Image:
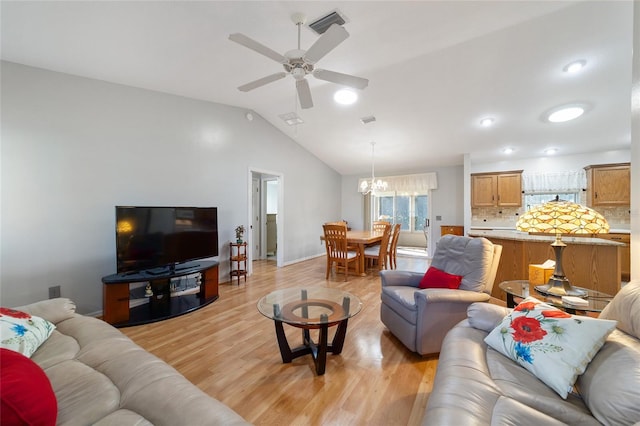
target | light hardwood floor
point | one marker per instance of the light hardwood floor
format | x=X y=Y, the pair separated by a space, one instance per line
x=229 y=350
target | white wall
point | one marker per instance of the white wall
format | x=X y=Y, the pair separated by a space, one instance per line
x=554 y=163
x=73 y=148
x=635 y=147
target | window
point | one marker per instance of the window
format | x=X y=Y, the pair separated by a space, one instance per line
x=410 y=211
x=532 y=200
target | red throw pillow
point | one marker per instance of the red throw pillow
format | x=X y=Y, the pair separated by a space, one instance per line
x=27 y=397
x=435 y=278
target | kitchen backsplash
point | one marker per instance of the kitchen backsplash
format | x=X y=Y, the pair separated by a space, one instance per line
x=506 y=217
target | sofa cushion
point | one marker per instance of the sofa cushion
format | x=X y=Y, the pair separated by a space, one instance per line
x=468 y=257
x=435 y=278
x=402 y=301
x=27 y=396
x=23 y=332
x=610 y=386
x=553 y=345
x=58 y=348
x=625 y=308
x=517 y=383
x=123 y=417
x=83 y=393
x=54 y=310
x=510 y=412
x=486 y=316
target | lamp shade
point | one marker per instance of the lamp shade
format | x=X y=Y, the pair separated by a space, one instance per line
x=563 y=217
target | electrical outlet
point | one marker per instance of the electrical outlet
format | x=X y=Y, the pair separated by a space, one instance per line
x=54 y=292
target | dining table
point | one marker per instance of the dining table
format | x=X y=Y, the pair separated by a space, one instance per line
x=362 y=239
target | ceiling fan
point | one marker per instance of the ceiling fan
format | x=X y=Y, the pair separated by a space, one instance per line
x=299 y=63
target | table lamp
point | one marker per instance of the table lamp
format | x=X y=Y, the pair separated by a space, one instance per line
x=562 y=217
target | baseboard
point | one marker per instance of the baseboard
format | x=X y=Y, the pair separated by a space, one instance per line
x=291 y=262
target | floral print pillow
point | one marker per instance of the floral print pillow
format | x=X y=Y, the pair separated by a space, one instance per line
x=552 y=344
x=22 y=332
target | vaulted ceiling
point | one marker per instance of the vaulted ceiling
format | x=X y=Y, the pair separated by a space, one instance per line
x=435 y=69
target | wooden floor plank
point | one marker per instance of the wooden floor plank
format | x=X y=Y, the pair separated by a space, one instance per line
x=229 y=350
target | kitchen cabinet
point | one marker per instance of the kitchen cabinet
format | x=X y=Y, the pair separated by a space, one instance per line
x=609 y=185
x=452 y=229
x=592 y=263
x=502 y=189
x=625 y=252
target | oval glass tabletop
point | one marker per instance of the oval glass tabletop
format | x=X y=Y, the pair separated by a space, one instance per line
x=595 y=301
x=309 y=306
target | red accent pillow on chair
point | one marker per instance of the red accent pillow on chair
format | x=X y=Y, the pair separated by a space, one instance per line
x=435 y=278
x=27 y=396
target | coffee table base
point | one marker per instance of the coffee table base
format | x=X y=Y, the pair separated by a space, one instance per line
x=317 y=350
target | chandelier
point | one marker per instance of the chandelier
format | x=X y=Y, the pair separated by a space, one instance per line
x=562 y=217
x=373 y=185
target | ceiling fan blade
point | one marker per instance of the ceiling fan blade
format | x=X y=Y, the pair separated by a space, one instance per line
x=344 y=79
x=257 y=47
x=262 y=81
x=304 y=94
x=326 y=43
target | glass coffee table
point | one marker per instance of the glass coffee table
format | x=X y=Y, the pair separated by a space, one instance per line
x=596 y=301
x=310 y=308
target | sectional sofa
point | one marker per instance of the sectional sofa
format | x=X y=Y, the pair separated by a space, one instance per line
x=101 y=377
x=476 y=384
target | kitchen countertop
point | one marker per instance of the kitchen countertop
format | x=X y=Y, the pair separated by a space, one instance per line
x=523 y=236
x=511 y=228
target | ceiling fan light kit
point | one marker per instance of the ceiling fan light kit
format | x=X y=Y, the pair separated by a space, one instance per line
x=345 y=97
x=299 y=63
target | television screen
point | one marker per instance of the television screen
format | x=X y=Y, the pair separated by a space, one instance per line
x=148 y=237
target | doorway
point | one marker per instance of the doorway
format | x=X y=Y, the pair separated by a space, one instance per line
x=266 y=212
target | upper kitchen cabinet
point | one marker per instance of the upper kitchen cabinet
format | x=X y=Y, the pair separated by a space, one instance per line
x=609 y=185
x=503 y=189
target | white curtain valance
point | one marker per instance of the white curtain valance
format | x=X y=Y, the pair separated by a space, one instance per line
x=408 y=183
x=548 y=182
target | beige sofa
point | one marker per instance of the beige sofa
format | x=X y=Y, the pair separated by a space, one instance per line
x=475 y=384
x=101 y=377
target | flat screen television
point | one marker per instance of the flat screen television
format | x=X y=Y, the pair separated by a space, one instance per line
x=151 y=237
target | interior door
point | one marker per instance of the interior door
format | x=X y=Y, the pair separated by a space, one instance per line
x=255 y=225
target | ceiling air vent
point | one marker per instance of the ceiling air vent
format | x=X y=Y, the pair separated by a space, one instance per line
x=291 y=118
x=369 y=119
x=323 y=23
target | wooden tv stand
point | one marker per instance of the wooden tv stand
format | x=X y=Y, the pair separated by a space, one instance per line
x=115 y=293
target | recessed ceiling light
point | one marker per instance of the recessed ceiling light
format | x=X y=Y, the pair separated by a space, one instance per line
x=551 y=151
x=345 y=97
x=507 y=150
x=487 y=122
x=565 y=113
x=574 y=66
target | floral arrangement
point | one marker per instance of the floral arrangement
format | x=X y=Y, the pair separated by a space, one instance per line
x=239 y=232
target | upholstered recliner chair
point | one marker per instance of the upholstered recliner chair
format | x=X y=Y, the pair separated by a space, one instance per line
x=420 y=318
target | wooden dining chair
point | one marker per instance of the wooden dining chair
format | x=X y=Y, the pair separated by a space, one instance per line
x=380 y=225
x=393 y=246
x=338 y=252
x=377 y=254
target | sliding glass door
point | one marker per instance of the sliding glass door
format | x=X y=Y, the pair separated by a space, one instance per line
x=410 y=211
